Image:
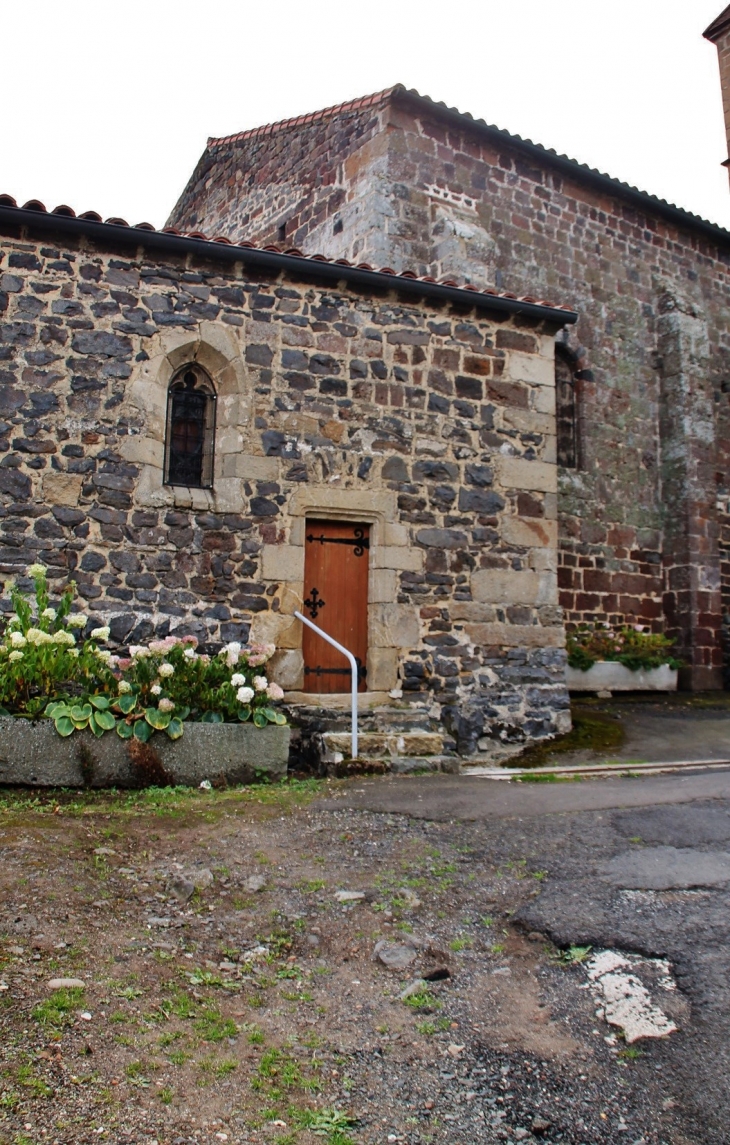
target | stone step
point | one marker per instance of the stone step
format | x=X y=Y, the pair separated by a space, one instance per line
x=390 y=744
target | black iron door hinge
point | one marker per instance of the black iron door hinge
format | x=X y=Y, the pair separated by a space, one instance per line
x=360 y=541
x=319 y=671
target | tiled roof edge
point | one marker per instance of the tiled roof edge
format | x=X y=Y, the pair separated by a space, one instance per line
x=64 y=220
x=718 y=25
x=572 y=167
x=378 y=99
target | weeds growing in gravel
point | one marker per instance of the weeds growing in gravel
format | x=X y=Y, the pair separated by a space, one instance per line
x=56 y=1010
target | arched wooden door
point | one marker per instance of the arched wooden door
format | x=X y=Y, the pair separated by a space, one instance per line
x=336 y=599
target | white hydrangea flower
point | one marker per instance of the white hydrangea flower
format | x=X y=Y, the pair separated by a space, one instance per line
x=232 y=652
x=238 y=680
x=18 y=640
x=103 y=655
x=260 y=683
x=63 y=638
x=35 y=636
x=244 y=695
x=124 y=687
x=190 y=654
x=138 y=651
x=156 y=690
x=100 y=633
x=14 y=656
x=49 y=614
x=166 y=669
x=36 y=570
x=275 y=692
x=166 y=705
x=76 y=620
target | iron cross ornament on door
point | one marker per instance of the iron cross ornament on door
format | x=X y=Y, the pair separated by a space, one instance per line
x=313 y=603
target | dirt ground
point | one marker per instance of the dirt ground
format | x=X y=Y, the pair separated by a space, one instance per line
x=228 y=995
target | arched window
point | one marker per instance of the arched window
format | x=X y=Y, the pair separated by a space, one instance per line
x=190 y=429
x=566 y=403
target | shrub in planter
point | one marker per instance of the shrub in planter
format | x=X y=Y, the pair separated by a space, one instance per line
x=46 y=669
x=632 y=646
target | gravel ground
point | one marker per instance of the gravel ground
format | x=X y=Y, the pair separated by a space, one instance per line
x=229 y=996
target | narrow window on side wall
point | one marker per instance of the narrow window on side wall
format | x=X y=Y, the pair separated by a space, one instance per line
x=190 y=432
x=566 y=403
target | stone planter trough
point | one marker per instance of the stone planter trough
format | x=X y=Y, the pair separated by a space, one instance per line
x=610 y=676
x=33 y=754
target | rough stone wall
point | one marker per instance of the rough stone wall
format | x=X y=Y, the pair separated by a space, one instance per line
x=453 y=202
x=436 y=427
x=287 y=186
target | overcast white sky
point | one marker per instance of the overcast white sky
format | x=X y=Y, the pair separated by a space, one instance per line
x=108 y=104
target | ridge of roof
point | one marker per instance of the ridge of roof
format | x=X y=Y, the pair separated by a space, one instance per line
x=362 y=103
x=718 y=25
x=570 y=166
x=34 y=212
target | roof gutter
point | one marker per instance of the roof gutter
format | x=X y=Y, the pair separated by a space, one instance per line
x=570 y=167
x=298 y=266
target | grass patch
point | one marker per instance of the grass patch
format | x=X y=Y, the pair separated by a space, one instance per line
x=428 y=1028
x=175 y=802
x=56 y=1010
x=213 y=1027
x=423 y=1000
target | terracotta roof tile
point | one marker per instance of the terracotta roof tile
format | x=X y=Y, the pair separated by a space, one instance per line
x=34 y=205
x=548 y=154
x=361 y=104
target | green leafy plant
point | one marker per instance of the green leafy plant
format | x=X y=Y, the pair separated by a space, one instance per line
x=631 y=646
x=574 y=955
x=46 y=671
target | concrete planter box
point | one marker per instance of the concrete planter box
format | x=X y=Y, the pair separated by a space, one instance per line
x=33 y=754
x=610 y=676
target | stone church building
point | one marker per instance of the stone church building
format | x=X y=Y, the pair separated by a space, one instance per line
x=436 y=386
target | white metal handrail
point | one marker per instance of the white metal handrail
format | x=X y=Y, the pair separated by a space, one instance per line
x=353 y=672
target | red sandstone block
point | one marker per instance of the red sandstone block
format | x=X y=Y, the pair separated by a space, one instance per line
x=584 y=601
x=597 y=581
x=481 y=366
x=621 y=535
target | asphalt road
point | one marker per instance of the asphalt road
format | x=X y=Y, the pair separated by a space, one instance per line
x=638 y=865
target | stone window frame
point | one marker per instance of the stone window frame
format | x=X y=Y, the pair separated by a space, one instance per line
x=219 y=353
x=390 y=552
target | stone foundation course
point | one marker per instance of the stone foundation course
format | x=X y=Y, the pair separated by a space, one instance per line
x=33 y=754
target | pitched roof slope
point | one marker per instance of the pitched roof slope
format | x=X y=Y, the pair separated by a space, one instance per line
x=572 y=167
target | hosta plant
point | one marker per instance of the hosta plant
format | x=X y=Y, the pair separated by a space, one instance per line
x=46 y=669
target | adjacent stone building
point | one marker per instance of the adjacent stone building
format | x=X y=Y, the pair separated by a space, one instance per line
x=642 y=379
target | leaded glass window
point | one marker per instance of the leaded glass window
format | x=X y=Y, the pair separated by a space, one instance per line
x=190 y=429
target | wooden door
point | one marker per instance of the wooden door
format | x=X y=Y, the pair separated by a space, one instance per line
x=336 y=599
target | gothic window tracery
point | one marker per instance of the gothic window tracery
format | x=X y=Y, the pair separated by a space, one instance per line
x=190 y=431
